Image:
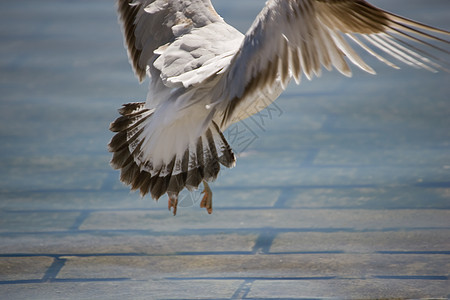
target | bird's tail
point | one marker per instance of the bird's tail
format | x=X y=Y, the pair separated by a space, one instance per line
x=199 y=161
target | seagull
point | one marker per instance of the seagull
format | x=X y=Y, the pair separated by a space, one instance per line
x=206 y=75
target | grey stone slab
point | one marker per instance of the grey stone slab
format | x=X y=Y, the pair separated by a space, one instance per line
x=75 y=200
x=426 y=241
x=295 y=173
x=353 y=219
x=123 y=289
x=52 y=171
x=384 y=197
x=127 y=243
x=397 y=155
x=36 y=221
x=23 y=268
x=370 y=288
x=264 y=266
x=152 y=267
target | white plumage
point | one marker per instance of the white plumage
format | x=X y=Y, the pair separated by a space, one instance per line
x=206 y=75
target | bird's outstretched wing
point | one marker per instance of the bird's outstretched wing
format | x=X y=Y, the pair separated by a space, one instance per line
x=151 y=24
x=206 y=75
x=291 y=37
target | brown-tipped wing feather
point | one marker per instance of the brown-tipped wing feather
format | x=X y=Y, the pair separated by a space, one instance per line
x=294 y=37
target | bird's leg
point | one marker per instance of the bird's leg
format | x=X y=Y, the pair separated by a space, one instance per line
x=173 y=202
x=207 y=198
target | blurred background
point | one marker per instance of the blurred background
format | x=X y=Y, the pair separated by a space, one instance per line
x=64 y=72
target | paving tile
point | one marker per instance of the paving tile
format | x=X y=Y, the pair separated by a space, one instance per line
x=400 y=156
x=369 y=197
x=370 y=288
x=297 y=174
x=36 y=221
x=153 y=267
x=426 y=241
x=263 y=266
x=123 y=289
x=48 y=179
x=354 y=219
x=16 y=269
x=73 y=199
x=104 y=243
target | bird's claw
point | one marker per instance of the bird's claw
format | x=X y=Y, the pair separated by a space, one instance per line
x=207 y=198
x=173 y=202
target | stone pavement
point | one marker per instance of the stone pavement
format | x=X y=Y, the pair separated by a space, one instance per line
x=341 y=189
x=107 y=245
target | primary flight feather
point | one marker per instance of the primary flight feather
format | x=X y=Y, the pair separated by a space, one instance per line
x=205 y=75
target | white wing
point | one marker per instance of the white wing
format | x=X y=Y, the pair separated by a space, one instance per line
x=170 y=38
x=291 y=37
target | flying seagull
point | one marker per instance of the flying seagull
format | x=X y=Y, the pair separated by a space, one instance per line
x=205 y=75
